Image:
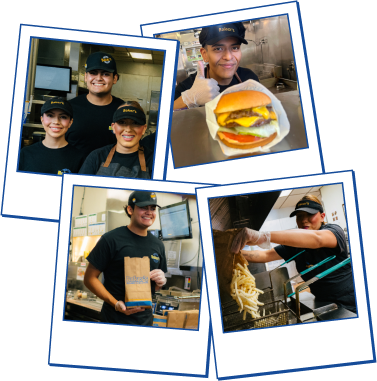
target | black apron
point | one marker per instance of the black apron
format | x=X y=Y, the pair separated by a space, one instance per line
x=115 y=169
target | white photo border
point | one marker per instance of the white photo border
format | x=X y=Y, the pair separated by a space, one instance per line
x=311 y=156
x=14 y=180
x=323 y=344
x=128 y=352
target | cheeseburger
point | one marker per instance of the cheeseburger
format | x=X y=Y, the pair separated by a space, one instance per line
x=246 y=119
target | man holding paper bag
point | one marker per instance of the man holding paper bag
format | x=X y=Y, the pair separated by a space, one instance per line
x=108 y=256
x=221 y=49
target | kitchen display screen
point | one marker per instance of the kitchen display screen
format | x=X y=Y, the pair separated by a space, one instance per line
x=53 y=78
x=175 y=221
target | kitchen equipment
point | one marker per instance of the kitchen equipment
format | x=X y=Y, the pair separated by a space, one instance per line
x=269 y=294
x=303 y=273
x=276 y=312
x=314 y=279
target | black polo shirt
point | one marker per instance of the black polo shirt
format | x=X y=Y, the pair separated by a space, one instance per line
x=336 y=287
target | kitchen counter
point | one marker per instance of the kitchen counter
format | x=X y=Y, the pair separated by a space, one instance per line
x=82 y=309
x=192 y=143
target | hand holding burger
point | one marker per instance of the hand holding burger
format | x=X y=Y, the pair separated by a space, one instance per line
x=246 y=119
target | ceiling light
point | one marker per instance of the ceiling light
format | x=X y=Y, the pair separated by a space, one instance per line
x=141 y=56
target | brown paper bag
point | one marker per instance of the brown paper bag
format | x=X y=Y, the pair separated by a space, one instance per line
x=226 y=260
x=138 y=284
x=183 y=319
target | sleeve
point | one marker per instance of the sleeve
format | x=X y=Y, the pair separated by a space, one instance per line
x=163 y=265
x=178 y=91
x=90 y=165
x=340 y=237
x=184 y=85
x=286 y=252
x=100 y=256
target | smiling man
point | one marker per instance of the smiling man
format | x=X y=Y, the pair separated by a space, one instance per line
x=126 y=158
x=94 y=111
x=221 y=49
x=107 y=257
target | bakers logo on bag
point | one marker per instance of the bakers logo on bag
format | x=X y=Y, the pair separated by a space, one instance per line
x=106 y=59
x=136 y=279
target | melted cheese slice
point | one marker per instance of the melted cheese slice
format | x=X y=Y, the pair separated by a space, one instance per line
x=245 y=121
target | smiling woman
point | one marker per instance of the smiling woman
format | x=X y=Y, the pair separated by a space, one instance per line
x=126 y=158
x=53 y=155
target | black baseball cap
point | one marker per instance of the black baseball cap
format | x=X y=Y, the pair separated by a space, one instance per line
x=130 y=112
x=101 y=61
x=59 y=103
x=142 y=198
x=307 y=206
x=211 y=34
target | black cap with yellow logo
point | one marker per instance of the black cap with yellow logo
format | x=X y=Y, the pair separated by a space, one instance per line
x=101 y=61
x=142 y=198
x=59 y=103
x=212 y=34
x=130 y=112
x=307 y=206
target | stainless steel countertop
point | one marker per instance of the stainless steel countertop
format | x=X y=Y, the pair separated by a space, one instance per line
x=192 y=143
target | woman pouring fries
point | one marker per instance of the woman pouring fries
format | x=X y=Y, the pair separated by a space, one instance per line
x=319 y=240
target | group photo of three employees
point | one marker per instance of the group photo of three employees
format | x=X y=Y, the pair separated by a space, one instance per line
x=100 y=134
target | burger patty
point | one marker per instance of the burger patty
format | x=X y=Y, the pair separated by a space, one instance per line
x=241 y=114
x=258 y=123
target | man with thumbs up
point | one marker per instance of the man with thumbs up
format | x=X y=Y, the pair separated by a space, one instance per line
x=221 y=49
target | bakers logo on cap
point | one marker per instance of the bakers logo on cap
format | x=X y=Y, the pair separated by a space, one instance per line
x=127 y=110
x=60 y=103
x=134 y=199
x=106 y=59
x=153 y=195
x=226 y=30
x=303 y=203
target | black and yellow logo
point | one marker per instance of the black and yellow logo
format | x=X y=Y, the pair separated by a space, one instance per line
x=106 y=59
x=60 y=103
x=153 y=195
x=302 y=204
x=128 y=110
x=226 y=30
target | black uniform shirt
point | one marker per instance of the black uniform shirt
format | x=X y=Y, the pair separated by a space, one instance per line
x=337 y=284
x=39 y=158
x=108 y=257
x=243 y=73
x=91 y=124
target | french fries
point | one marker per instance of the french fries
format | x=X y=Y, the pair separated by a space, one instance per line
x=244 y=292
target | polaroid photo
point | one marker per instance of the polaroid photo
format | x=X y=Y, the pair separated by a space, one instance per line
x=272 y=283
x=256 y=50
x=91 y=216
x=71 y=90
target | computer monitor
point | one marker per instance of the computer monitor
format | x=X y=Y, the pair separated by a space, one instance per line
x=56 y=79
x=175 y=221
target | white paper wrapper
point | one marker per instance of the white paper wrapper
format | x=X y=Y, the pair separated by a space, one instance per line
x=276 y=104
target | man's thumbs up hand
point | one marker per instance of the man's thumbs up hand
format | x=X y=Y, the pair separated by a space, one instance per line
x=202 y=91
